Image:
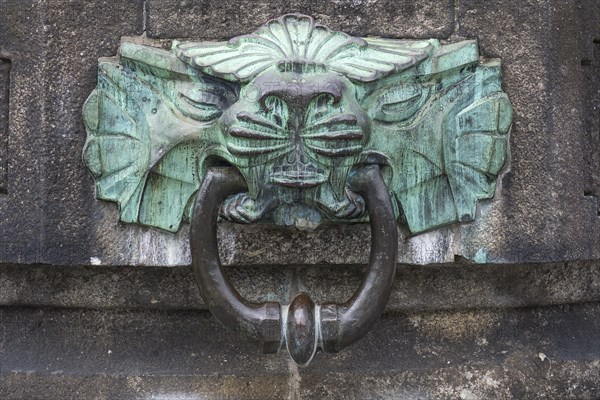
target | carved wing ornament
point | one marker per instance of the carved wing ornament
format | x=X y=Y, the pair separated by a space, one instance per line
x=300 y=112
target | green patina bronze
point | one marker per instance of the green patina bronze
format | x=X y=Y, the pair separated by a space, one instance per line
x=296 y=108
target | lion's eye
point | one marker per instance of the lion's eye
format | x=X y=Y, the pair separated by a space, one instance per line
x=201 y=108
x=331 y=131
x=399 y=103
x=202 y=102
x=320 y=106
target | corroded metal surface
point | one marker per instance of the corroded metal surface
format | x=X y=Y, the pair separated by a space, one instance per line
x=295 y=106
x=302 y=326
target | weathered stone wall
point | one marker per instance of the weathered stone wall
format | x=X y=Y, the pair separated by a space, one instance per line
x=545 y=207
x=504 y=307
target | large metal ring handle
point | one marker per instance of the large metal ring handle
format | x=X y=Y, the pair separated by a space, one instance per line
x=303 y=326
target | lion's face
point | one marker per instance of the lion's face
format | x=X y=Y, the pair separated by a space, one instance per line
x=295 y=106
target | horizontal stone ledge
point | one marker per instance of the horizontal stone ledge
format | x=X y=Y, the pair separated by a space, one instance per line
x=417 y=288
x=545 y=352
x=265 y=244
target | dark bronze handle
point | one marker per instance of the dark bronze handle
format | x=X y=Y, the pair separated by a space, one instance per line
x=303 y=326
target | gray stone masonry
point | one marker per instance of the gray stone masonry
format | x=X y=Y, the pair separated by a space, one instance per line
x=506 y=307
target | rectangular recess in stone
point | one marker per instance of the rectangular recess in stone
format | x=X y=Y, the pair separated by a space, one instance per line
x=4 y=92
x=223 y=19
x=591 y=68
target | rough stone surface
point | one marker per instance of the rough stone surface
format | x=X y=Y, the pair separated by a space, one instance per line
x=54 y=49
x=22 y=41
x=71 y=330
x=544 y=210
x=5 y=65
x=528 y=353
x=541 y=212
x=417 y=288
x=591 y=68
x=225 y=19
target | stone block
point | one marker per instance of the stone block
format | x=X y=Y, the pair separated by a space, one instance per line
x=210 y=20
x=475 y=310
x=53 y=47
x=524 y=353
x=541 y=211
x=416 y=288
x=5 y=65
x=544 y=209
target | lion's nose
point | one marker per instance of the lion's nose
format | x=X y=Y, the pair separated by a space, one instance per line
x=299 y=93
x=295 y=125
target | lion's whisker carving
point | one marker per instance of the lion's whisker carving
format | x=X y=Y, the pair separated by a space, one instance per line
x=255 y=151
x=334 y=120
x=258 y=120
x=243 y=132
x=334 y=135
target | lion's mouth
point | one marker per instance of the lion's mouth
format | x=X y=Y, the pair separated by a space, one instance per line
x=298 y=175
